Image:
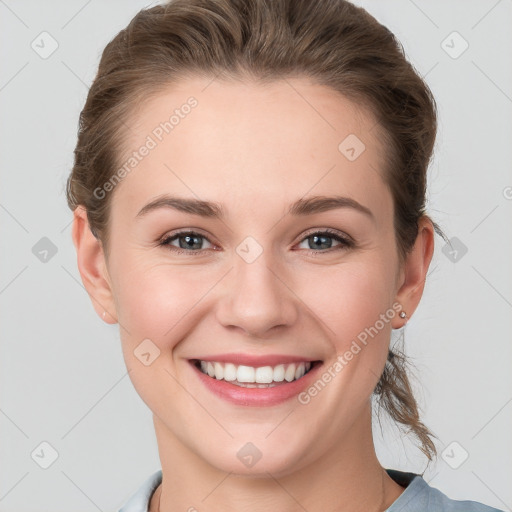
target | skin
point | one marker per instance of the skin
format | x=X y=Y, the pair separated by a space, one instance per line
x=256 y=149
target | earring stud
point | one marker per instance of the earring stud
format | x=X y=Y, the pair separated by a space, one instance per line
x=402 y=314
x=104 y=313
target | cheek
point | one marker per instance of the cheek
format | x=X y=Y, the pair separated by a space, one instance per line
x=351 y=298
x=356 y=305
x=158 y=303
x=155 y=299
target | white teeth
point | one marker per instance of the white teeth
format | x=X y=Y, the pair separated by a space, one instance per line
x=264 y=375
x=219 y=370
x=289 y=374
x=245 y=374
x=229 y=371
x=260 y=377
x=279 y=373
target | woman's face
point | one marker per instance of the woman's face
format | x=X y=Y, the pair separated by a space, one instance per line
x=262 y=285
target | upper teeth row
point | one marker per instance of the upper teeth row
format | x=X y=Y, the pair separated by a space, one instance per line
x=261 y=375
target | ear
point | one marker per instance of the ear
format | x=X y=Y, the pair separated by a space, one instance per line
x=414 y=271
x=92 y=267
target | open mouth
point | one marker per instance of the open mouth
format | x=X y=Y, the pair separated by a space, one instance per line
x=255 y=377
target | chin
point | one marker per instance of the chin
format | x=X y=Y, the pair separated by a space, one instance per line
x=257 y=457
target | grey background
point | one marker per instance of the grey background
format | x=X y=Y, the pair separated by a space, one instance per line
x=63 y=379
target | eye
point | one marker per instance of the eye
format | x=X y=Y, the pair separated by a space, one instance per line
x=189 y=241
x=321 y=239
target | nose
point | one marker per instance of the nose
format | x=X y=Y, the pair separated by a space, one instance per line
x=257 y=298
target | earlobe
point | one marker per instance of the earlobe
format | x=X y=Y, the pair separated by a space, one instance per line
x=415 y=270
x=92 y=267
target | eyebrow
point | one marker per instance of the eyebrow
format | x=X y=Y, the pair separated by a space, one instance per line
x=209 y=209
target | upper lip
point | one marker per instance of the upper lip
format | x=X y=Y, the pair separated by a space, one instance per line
x=256 y=360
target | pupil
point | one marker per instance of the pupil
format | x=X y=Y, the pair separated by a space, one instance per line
x=317 y=237
x=189 y=241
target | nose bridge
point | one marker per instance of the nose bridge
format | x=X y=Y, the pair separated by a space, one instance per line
x=256 y=298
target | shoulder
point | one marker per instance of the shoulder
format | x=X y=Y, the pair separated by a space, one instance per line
x=139 y=501
x=419 y=496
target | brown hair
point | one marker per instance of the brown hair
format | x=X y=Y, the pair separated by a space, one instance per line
x=332 y=42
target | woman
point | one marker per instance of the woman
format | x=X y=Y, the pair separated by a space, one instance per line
x=249 y=205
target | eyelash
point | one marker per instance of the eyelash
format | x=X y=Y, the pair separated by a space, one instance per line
x=345 y=243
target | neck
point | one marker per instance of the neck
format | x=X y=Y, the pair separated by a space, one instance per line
x=346 y=478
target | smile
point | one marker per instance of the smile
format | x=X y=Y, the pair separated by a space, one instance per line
x=261 y=381
x=251 y=377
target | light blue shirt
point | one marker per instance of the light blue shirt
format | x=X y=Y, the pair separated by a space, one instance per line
x=418 y=496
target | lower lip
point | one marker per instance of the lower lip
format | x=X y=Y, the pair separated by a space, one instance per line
x=262 y=397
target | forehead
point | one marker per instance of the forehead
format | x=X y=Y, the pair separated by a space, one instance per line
x=247 y=143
